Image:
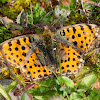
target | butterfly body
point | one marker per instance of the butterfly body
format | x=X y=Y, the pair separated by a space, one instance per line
x=37 y=55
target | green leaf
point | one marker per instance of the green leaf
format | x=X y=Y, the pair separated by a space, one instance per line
x=44 y=89
x=11 y=86
x=90 y=7
x=1 y=31
x=68 y=82
x=46 y=85
x=48 y=18
x=75 y=96
x=65 y=91
x=97 y=97
x=24 y=96
x=39 y=97
x=94 y=94
x=97 y=1
x=38 y=12
x=48 y=14
x=4 y=93
x=88 y=81
x=46 y=94
x=72 y=4
x=4 y=1
x=81 y=90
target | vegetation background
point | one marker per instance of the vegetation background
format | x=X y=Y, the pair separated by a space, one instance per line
x=18 y=17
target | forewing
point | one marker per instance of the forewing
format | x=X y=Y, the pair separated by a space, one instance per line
x=17 y=49
x=81 y=35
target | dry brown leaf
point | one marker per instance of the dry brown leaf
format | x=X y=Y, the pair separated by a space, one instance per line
x=5 y=20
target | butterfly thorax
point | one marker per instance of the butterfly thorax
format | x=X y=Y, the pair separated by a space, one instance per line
x=49 y=45
x=48 y=41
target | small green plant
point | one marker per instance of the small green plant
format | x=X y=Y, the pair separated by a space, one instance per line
x=5 y=33
x=79 y=89
x=4 y=1
x=36 y=14
x=4 y=91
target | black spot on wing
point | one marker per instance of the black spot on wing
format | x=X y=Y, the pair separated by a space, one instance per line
x=17 y=56
x=30 y=39
x=39 y=71
x=75 y=43
x=73 y=53
x=30 y=66
x=9 y=43
x=62 y=67
x=74 y=30
x=44 y=70
x=67 y=65
x=79 y=35
x=81 y=46
x=63 y=33
x=35 y=65
x=73 y=36
x=24 y=39
x=25 y=66
x=33 y=72
x=81 y=41
x=81 y=27
x=28 y=61
x=40 y=76
x=12 y=54
x=10 y=49
x=23 y=47
x=91 y=31
x=89 y=27
x=68 y=59
x=28 y=73
x=9 y=58
x=20 y=60
x=16 y=49
x=45 y=75
x=24 y=54
x=33 y=38
x=18 y=42
x=68 y=71
x=67 y=29
x=85 y=38
x=61 y=61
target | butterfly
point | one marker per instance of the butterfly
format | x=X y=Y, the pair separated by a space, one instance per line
x=39 y=56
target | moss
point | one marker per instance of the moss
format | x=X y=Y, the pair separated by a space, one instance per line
x=10 y=12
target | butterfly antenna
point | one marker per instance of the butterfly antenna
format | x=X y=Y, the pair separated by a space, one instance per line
x=34 y=25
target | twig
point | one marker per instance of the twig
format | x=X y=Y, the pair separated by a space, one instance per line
x=33 y=24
